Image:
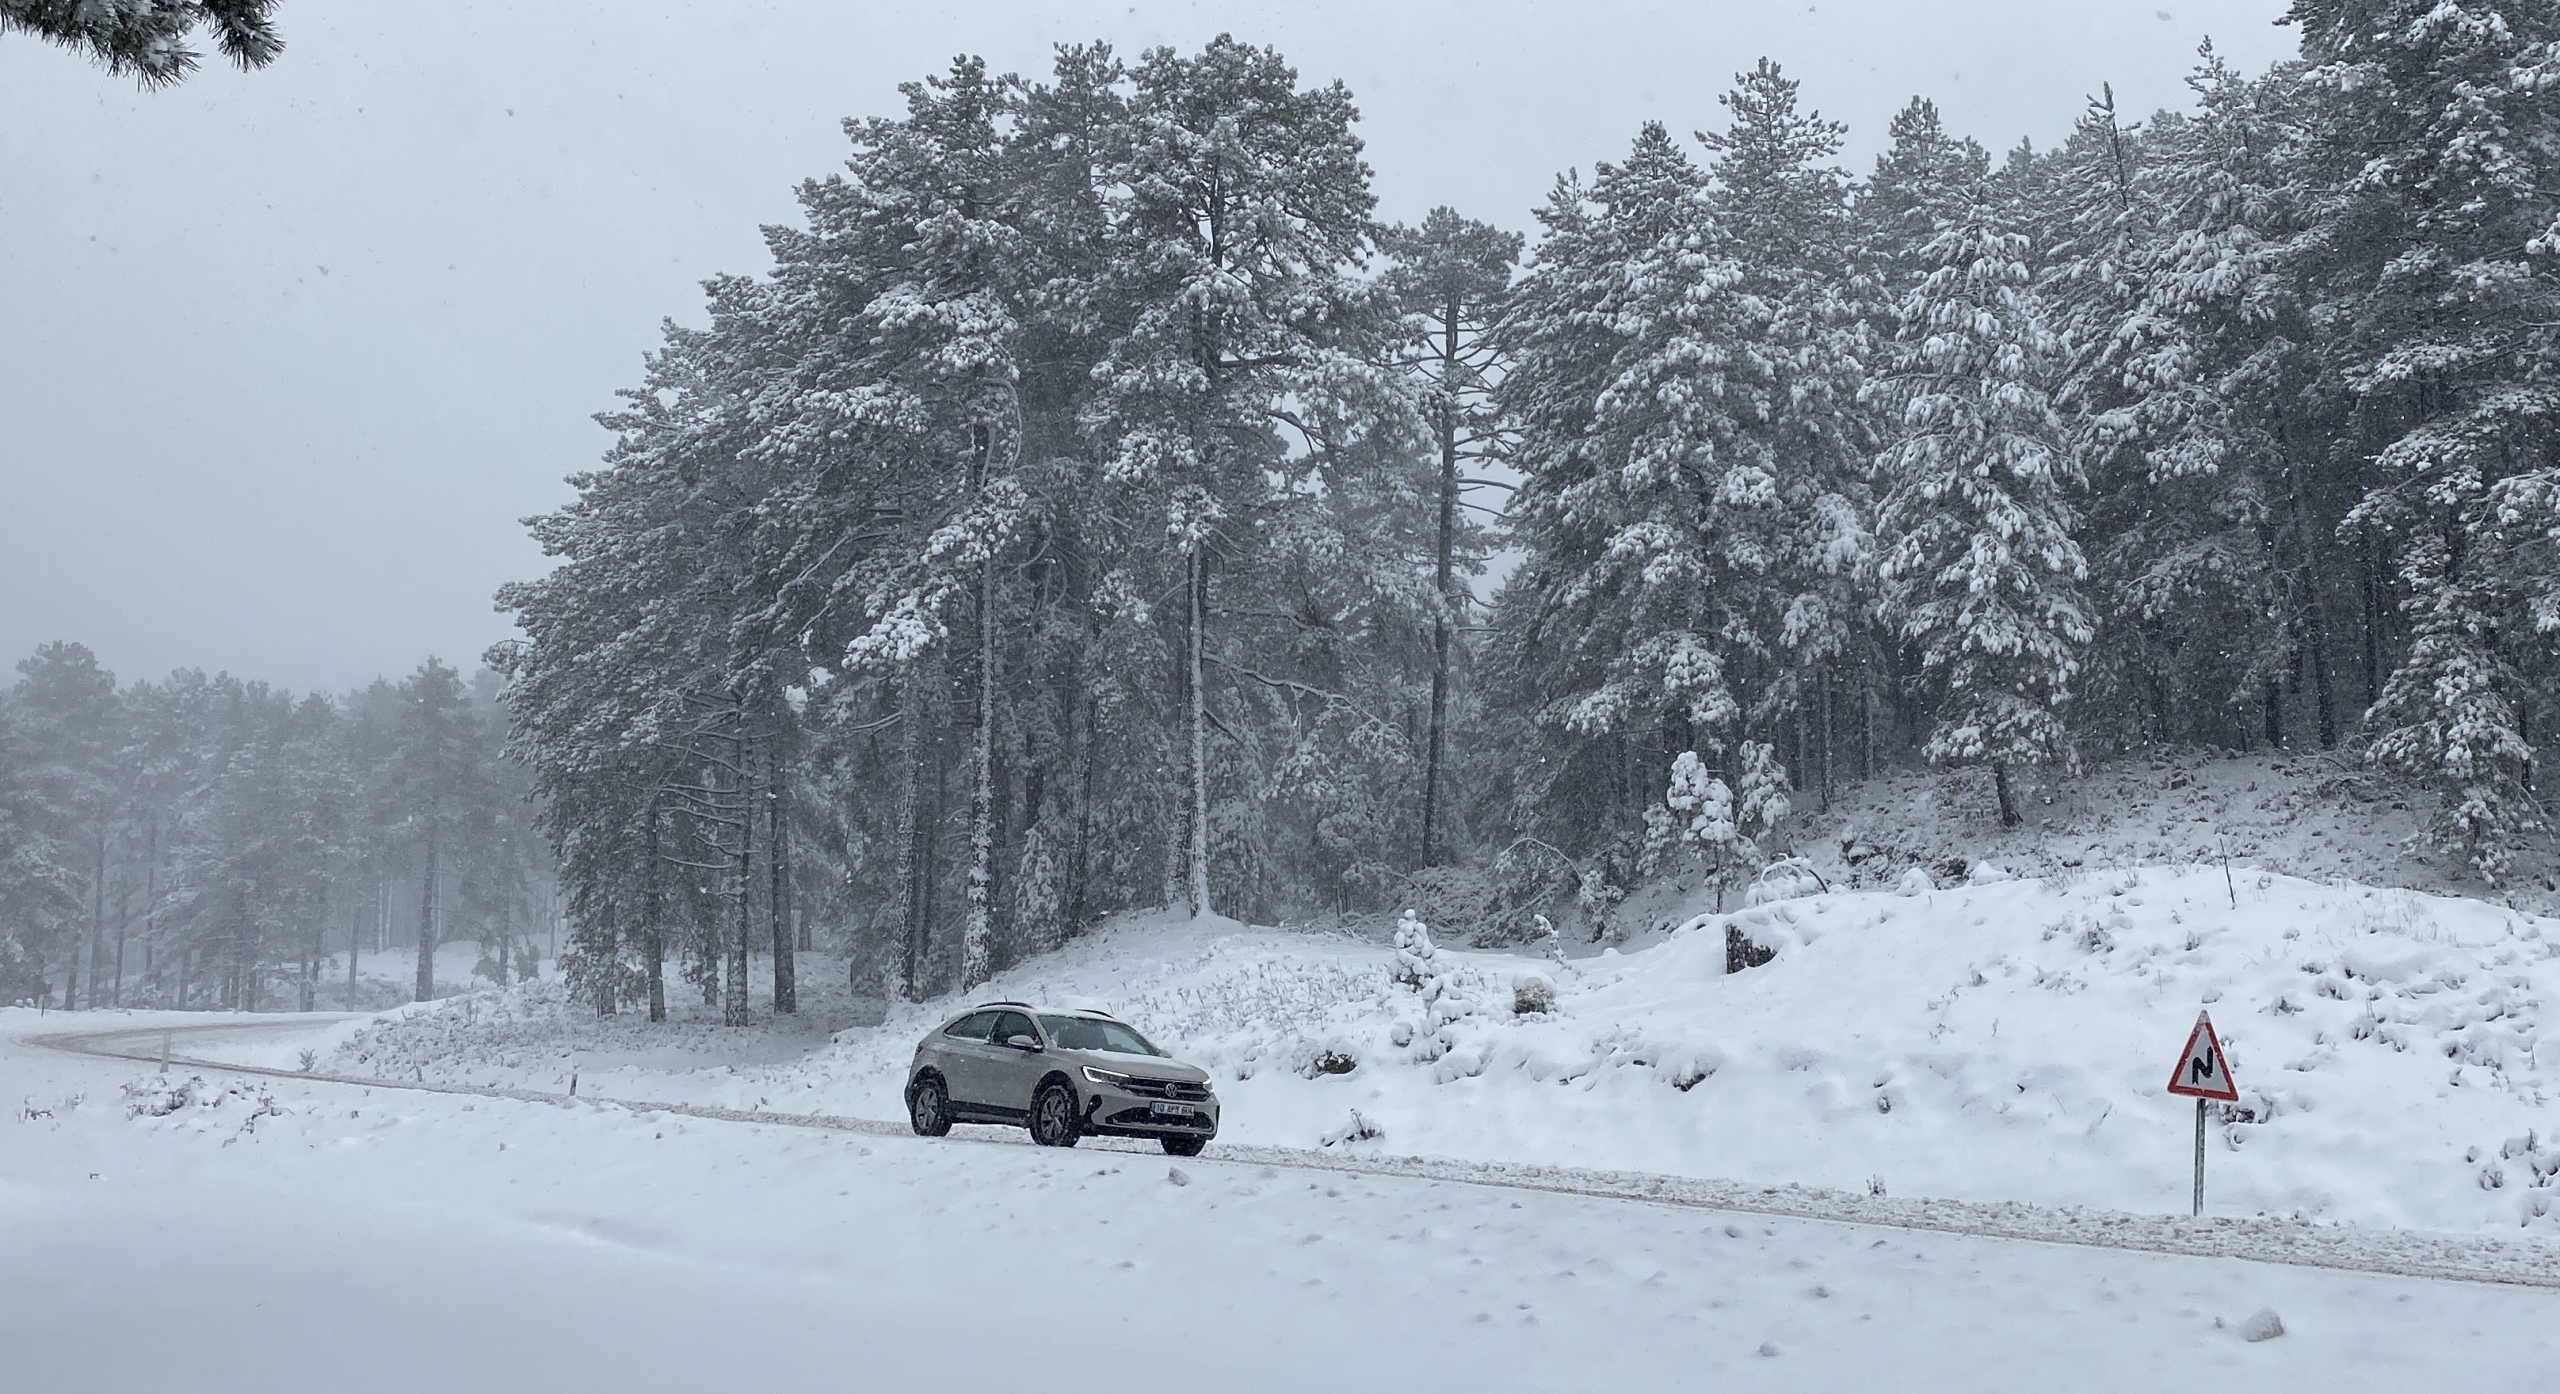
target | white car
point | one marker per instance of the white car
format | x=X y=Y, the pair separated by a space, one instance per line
x=1062 y=1074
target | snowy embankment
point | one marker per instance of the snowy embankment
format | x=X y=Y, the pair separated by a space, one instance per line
x=2314 y=814
x=1996 y=1042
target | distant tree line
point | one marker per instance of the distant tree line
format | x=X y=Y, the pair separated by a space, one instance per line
x=213 y=843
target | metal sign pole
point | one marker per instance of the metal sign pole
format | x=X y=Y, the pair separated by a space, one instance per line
x=2199 y=1210
x=2204 y=1075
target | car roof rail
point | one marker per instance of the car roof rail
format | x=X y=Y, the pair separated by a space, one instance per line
x=1008 y=1002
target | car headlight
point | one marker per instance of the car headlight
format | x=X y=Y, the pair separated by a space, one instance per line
x=1105 y=1077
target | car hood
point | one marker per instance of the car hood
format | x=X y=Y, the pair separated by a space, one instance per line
x=1145 y=1066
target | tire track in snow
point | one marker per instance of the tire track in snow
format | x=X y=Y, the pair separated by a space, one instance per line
x=2296 y=1243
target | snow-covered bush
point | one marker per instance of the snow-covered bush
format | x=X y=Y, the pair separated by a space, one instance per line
x=1331 y=1055
x=1442 y=999
x=156 y=1097
x=1705 y=819
x=1414 y=953
x=1359 y=1129
x=1784 y=879
x=1532 y=995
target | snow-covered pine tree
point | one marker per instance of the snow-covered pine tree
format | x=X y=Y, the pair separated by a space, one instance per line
x=1922 y=177
x=1415 y=965
x=148 y=38
x=1449 y=280
x=1784 y=211
x=2436 y=143
x=1980 y=572
x=1642 y=618
x=39 y=879
x=893 y=420
x=2222 y=538
x=1241 y=205
x=69 y=717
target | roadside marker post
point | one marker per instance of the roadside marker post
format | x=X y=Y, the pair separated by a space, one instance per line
x=2203 y=1073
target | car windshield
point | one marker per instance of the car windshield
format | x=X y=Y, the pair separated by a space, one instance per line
x=1086 y=1033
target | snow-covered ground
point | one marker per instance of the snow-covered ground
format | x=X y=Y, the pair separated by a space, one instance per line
x=2320 y=815
x=1997 y=1042
x=288 y=1235
x=1989 y=1049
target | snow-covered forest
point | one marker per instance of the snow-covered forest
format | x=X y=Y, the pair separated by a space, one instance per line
x=208 y=842
x=1097 y=506
x=1174 y=728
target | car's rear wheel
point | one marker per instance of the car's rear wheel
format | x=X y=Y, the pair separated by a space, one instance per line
x=1053 y=1116
x=1185 y=1146
x=929 y=1107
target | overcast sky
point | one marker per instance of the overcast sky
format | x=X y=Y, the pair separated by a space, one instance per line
x=285 y=356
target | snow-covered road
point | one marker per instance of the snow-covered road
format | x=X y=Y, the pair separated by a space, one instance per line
x=2466 y=1258
x=403 y=1239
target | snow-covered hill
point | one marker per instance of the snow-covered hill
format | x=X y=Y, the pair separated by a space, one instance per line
x=2001 y=1041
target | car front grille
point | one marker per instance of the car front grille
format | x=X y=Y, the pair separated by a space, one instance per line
x=1168 y=1089
x=1142 y=1118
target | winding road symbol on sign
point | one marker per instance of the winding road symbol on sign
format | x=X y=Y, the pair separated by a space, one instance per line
x=2203 y=1071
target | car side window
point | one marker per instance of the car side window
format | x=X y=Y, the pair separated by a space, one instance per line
x=1012 y=1024
x=973 y=1027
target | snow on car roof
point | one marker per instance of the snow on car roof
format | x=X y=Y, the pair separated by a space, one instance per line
x=1095 y=1012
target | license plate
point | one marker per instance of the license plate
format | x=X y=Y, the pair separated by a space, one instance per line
x=1172 y=1110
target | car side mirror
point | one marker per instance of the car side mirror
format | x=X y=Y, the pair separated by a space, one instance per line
x=1023 y=1043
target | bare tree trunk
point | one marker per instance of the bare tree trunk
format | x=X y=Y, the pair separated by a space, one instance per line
x=777 y=846
x=1443 y=572
x=2372 y=578
x=426 y=984
x=910 y=839
x=355 y=929
x=124 y=923
x=1826 y=738
x=1080 y=860
x=151 y=910
x=734 y=1010
x=311 y=953
x=608 y=989
x=2315 y=611
x=1866 y=724
x=97 y=930
x=653 y=946
x=977 y=938
x=1199 y=851
x=2000 y=784
x=1177 y=840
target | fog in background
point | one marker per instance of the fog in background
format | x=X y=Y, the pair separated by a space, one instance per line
x=285 y=356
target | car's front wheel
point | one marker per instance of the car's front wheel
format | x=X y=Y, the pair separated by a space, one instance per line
x=1185 y=1146
x=1053 y=1116
x=929 y=1107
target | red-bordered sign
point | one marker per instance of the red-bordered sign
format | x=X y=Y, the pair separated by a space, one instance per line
x=2203 y=1071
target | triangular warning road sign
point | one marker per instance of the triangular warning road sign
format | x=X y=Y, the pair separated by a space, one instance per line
x=2203 y=1070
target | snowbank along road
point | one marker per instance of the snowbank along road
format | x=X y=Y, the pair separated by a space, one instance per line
x=219 y=1232
x=2455 y=1258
